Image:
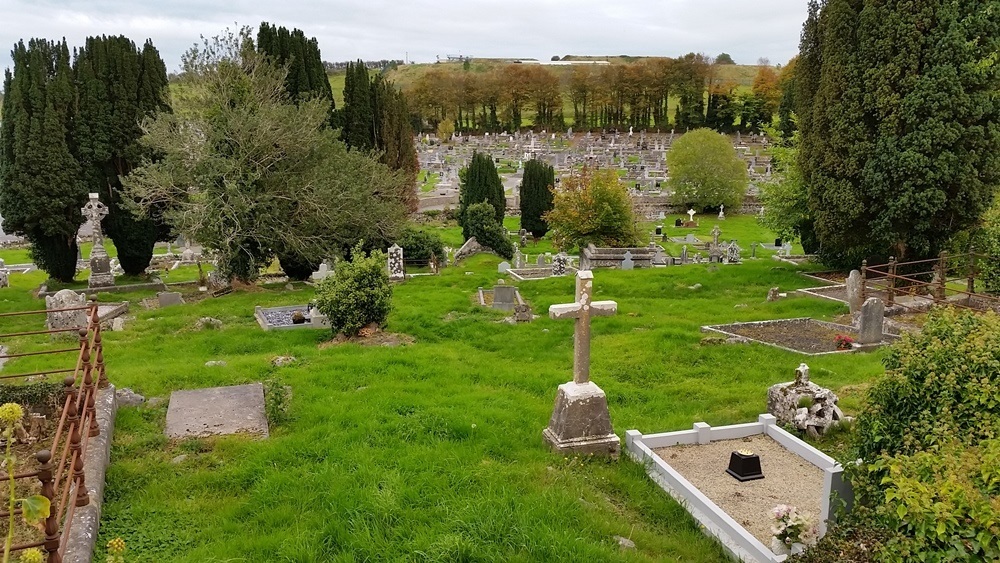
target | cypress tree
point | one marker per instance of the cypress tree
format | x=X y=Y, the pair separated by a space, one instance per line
x=394 y=136
x=40 y=189
x=119 y=86
x=301 y=56
x=536 y=196
x=357 y=120
x=480 y=182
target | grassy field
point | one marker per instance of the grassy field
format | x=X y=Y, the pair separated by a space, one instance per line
x=433 y=452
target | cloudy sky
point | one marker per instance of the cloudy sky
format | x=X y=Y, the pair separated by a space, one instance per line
x=424 y=29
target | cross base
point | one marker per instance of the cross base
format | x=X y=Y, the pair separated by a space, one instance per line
x=581 y=423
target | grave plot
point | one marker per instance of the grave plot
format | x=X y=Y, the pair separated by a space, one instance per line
x=217 y=411
x=804 y=335
x=289 y=317
x=691 y=466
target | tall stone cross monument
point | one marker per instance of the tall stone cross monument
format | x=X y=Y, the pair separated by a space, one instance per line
x=581 y=423
x=100 y=263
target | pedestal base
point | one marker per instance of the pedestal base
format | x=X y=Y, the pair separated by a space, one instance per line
x=581 y=423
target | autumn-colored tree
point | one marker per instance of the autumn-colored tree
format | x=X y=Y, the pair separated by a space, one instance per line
x=592 y=206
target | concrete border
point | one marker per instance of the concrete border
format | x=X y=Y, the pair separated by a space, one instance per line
x=715 y=522
x=82 y=538
x=258 y=314
x=850 y=330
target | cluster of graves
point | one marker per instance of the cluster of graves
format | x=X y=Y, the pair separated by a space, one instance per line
x=641 y=156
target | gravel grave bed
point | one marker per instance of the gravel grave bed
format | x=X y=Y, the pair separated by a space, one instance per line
x=788 y=479
x=803 y=335
x=280 y=318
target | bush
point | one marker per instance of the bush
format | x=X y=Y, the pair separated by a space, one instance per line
x=592 y=207
x=420 y=246
x=705 y=171
x=296 y=267
x=480 y=221
x=480 y=182
x=357 y=294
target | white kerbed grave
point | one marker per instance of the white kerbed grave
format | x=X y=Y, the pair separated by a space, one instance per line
x=716 y=522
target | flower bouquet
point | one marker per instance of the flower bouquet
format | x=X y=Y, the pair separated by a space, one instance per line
x=792 y=531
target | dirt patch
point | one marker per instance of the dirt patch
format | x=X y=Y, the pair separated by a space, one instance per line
x=803 y=335
x=788 y=479
x=387 y=339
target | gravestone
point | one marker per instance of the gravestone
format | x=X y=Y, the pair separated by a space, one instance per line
x=4 y=278
x=168 y=298
x=870 y=323
x=65 y=299
x=504 y=297
x=581 y=422
x=853 y=285
x=659 y=230
x=684 y=254
x=691 y=239
x=733 y=251
x=522 y=314
x=679 y=222
x=503 y=267
x=804 y=404
x=722 y=213
x=215 y=411
x=541 y=260
x=627 y=263
x=100 y=263
x=559 y=264
x=519 y=259
x=397 y=271
x=322 y=273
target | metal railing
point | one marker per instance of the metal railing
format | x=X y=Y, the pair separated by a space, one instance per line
x=947 y=279
x=60 y=467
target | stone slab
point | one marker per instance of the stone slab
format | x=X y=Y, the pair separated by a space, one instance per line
x=581 y=423
x=217 y=411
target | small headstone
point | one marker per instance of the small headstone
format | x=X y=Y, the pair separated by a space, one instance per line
x=128 y=398
x=522 y=314
x=853 y=286
x=118 y=324
x=541 y=260
x=397 y=271
x=321 y=273
x=503 y=267
x=690 y=239
x=504 y=297
x=659 y=230
x=684 y=254
x=559 y=264
x=627 y=263
x=870 y=324
x=168 y=298
x=65 y=299
x=722 y=213
x=4 y=278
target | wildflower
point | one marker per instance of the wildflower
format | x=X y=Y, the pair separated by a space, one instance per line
x=116 y=546
x=11 y=413
x=33 y=555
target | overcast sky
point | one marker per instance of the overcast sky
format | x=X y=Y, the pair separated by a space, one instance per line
x=424 y=29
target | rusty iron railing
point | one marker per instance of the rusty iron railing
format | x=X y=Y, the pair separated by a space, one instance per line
x=948 y=279
x=60 y=467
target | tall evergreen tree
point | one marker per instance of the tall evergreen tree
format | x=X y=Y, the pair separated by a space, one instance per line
x=480 y=182
x=40 y=189
x=119 y=86
x=301 y=56
x=357 y=117
x=536 y=196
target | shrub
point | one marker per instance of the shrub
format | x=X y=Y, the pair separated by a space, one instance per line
x=480 y=221
x=480 y=182
x=419 y=246
x=705 y=171
x=536 y=196
x=592 y=207
x=357 y=294
x=296 y=267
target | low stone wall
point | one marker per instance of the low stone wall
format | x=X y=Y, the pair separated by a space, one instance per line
x=435 y=201
x=593 y=257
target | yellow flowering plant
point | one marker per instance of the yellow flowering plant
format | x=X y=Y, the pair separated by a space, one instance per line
x=34 y=509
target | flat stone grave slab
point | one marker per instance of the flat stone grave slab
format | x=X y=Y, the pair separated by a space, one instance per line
x=280 y=318
x=217 y=411
x=804 y=335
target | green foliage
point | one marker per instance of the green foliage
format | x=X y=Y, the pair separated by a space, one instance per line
x=985 y=240
x=705 y=171
x=40 y=189
x=942 y=504
x=38 y=394
x=480 y=182
x=592 y=207
x=306 y=76
x=251 y=175
x=537 y=195
x=277 y=399
x=786 y=200
x=724 y=59
x=420 y=246
x=357 y=294
x=296 y=267
x=119 y=86
x=900 y=130
x=481 y=223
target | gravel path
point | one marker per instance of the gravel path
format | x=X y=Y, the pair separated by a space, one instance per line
x=788 y=479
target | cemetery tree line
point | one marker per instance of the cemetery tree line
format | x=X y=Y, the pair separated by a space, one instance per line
x=70 y=129
x=637 y=94
x=900 y=132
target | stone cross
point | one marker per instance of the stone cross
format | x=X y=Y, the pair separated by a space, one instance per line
x=94 y=211
x=690 y=213
x=582 y=310
x=715 y=234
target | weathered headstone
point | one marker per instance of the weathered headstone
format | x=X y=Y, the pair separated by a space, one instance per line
x=168 y=298
x=581 y=422
x=541 y=260
x=803 y=404
x=322 y=272
x=559 y=262
x=503 y=267
x=522 y=313
x=870 y=323
x=733 y=253
x=65 y=299
x=722 y=213
x=4 y=278
x=397 y=271
x=216 y=411
x=100 y=263
x=684 y=254
x=504 y=297
x=773 y=294
x=627 y=263
x=853 y=286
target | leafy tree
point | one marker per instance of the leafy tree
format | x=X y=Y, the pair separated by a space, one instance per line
x=900 y=147
x=482 y=224
x=724 y=59
x=786 y=202
x=251 y=175
x=420 y=246
x=722 y=109
x=705 y=171
x=40 y=189
x=592 y=206
x=537 y=187
x=119 y=86
x=445 y=129
x=357 y=294
x=480 y=182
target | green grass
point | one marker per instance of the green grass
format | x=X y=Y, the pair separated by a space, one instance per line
x=428 y=180
x=433 y=452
